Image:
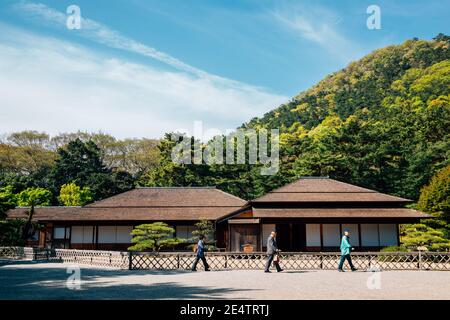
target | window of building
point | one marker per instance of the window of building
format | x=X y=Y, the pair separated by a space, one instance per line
x=123 y=234
x=245 y=235
x=185 y=232
x=388 y=235
x=61 y=236
x=354 y=233
x=35 y=235
x=114 y=234
x=331 y=235
x=107 y=234
x=313 y=235
x=369 y=235
x=82 y=234
x=61 y=233
x=266 y=230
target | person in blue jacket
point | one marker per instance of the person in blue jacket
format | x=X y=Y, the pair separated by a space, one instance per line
x=200 y=254
x=346 y=247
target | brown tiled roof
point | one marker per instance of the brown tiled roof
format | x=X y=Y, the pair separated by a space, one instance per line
x=145 y=204
x=171 y=197
x=122 y=214
x=42 y=213
x=330 y=197
x=338 y=213
x=319 y=189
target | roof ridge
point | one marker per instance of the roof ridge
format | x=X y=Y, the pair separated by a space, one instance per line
x=318 y=178
x=109 y=207
x=297 y=179
x=369 y=191
x=179 y=187
x=36 y=207
x=313 y=177
x=229 y=194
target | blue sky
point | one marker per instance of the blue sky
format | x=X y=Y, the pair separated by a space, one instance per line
x=141 y=68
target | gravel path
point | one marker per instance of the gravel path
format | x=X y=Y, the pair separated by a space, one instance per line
x=28 y=280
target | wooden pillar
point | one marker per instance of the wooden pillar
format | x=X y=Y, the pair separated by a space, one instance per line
x=42 y=234
x=260 y=236
x=95 y=236
x=49 y=235
x=291 y=238
x=229 y=236
x=321 y=237
x=359 y=235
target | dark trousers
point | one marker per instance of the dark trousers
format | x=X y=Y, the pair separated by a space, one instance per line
x=269 y=262
x=197 y=259
x=349 y=259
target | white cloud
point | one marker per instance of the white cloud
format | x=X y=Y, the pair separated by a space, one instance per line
x=318 y=25
x=104 y=35
x=55 y=86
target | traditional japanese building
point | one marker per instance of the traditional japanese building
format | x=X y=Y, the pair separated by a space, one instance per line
x=106 y=224
x=309 y=214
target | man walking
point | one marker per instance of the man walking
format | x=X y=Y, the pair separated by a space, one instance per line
x=272 y=249
x=200 y=254
x=346 y=247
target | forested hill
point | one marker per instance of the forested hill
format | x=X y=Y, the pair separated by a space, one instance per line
x=382 y=122
x=363 y=84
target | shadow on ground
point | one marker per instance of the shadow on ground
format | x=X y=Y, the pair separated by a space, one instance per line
x=23 y=282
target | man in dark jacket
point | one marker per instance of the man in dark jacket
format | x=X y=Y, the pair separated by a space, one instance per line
x=272 y=249
x=200 y=254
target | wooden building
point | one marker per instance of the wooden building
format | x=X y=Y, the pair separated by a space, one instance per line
x=309 y=214
x=106 y=224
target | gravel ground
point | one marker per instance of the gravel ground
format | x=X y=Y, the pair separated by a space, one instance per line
x=30 y=280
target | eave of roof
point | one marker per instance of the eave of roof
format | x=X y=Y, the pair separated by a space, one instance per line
x=123 y=214
x=339 y=213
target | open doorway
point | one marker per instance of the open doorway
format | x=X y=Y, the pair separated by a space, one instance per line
x=244 y=236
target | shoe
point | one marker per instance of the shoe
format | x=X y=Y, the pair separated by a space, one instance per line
x=340 y=270
x=207 y=270
x=193 y=270
x=354 y=269
x=267 y=271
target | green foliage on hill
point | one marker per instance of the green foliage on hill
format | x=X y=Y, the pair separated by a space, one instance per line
x=382 y=122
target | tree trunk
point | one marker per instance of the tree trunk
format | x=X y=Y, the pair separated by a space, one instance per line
x=27 y=226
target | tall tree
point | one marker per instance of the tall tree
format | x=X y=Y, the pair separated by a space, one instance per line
x=31 y=198
x=435 y=198
x=80 y=163
x=73 y=195
x=8 y=200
